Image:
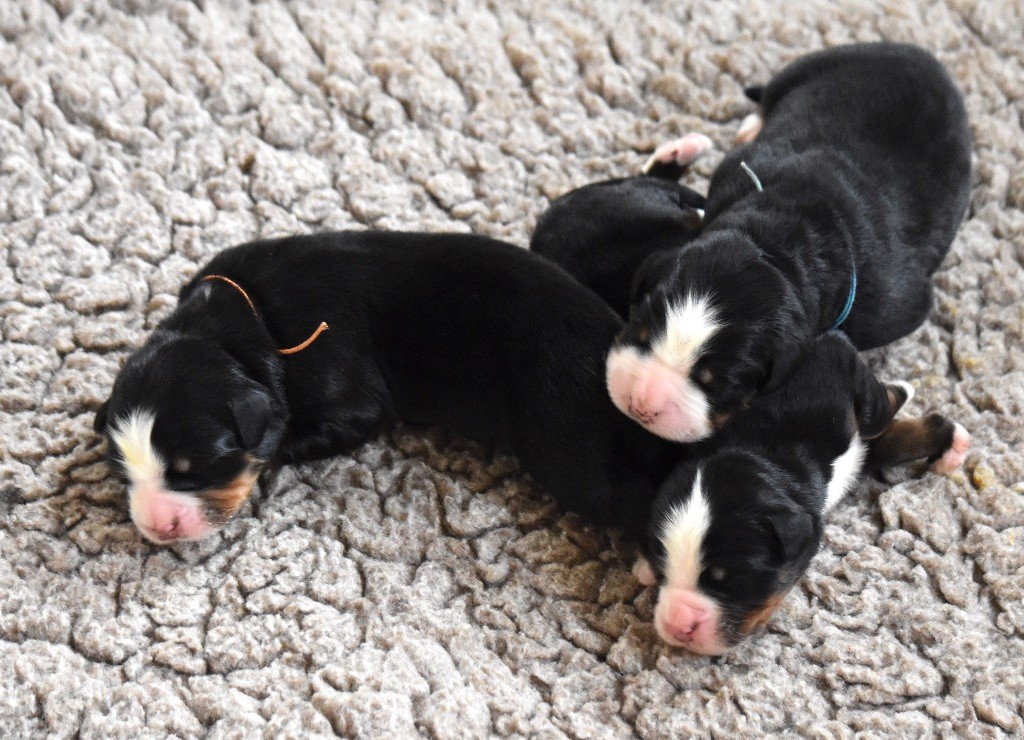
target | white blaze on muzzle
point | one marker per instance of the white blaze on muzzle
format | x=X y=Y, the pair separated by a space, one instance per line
x=655 y=388
x=161 y=515
x=684 y=616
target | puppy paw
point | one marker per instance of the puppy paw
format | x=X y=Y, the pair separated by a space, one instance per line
x=908 y=389
x=643 y=572
x=750 y=127
x=680 y=152
x=954 y=457
x=900 y=392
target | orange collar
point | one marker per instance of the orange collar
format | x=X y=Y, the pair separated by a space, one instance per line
x=289 y=350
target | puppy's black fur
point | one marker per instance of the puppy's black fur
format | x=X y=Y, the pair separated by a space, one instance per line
x=487 y=340
x=454 y=330
x=766 y=474
x=605 y=230
x=864 y=157
x=865 y=153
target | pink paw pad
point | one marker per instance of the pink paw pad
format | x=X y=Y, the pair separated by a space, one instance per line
x=750 y=127
x=954 y=457
x=682 y=151
x=643 y=572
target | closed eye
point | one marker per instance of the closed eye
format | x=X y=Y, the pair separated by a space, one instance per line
x=177 y=483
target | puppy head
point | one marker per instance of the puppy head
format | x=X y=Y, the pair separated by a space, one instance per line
x=711 y=325
x=190 y=431
x=727 y=543
x=602 y=232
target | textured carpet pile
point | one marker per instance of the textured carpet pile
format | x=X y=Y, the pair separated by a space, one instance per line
x=422 y=585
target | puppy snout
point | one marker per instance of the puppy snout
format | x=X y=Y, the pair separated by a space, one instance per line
x=688 y=619
x=651 y=395
x=657 y=396
x=166 y=518
x=684 y=620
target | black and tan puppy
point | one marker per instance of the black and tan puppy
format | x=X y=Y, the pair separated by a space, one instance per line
x=736 y=523
x=735 y=527
x=835 y=215
x=454 y=330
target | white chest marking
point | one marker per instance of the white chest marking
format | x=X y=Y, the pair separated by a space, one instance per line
x=845 y=471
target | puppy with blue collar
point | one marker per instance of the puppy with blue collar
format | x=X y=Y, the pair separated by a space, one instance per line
x=738 y=520
x=834 y=213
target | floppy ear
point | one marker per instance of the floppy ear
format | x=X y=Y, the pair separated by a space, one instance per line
x=794 y=530
x=259 y=427
x=99 y=423
x=648 y=274
x=787 y=358
x=874 y=403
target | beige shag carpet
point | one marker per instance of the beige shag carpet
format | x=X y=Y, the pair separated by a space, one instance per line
x=421 y=586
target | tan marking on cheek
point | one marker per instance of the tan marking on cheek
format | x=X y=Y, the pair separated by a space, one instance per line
x=719 y=419
x=229 y=499
x=643 y=334
x=760 y=616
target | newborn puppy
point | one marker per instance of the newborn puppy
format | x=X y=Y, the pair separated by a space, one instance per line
x=733 y=529
x=835 y=214
x=737 y=522
x=455 y=330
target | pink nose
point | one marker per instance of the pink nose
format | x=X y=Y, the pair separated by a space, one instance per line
x=652 y=393
x=689 y=619
x=657 y=396
x=167 y=518
x=642 y=412
x=683 y=620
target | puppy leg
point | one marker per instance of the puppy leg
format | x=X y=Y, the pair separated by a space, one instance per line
x=750 y=127
x=671 y=158
x=955 y=454
x=643 y=572
x=934 y=438
x=315 y=439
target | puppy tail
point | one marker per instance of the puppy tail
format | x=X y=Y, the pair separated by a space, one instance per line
x=754 y=93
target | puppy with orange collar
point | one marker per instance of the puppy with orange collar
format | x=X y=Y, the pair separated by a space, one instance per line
x=301 y=348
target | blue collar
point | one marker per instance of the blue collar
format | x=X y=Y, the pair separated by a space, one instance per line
x=853 y=264
x=849 y=299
